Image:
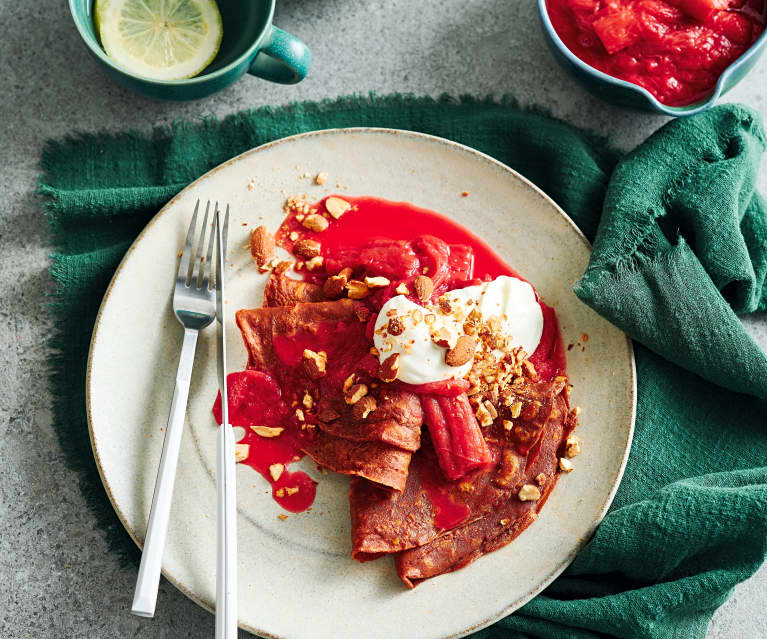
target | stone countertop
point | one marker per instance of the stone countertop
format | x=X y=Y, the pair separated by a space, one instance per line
x=58 y=579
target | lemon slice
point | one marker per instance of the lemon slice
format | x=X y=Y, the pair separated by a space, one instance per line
x=160 y=39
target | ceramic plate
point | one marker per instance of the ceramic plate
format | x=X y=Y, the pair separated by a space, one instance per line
x=296 y=577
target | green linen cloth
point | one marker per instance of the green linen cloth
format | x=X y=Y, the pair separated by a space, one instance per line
x=681 y=245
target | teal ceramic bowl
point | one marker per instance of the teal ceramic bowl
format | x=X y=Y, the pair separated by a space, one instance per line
x=250 y=44
x=628 y=94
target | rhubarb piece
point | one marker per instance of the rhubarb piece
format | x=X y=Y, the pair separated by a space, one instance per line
x=456 y=435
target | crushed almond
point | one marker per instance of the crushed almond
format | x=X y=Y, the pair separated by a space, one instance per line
x=507 y=425
x=267 y=431
x=565 y=465
x=282 y=517
x=275 y=471
x=491 y=409
x=389 y=368
x=540 y=479
x=357 y=290
x=417 y=316
x=321 y=178
x=516 y=409
x=572 y=446
x=336 y=206
x=334 y=286
x=314 y=263
x=262 y=245
x=307 y=401
x=348 y=382
x=293 y=236
x=356 y=393
x=424 y=287
x=241 y=452
x=443 y=337
x=528 y=492
x=315 y=222
x=364 y=407
x=483 y=415
x=377 y=282
x=300 y=415
x=395 y=326
x=529 y=369
x=315 y=364
x=400 y=290
x=462 y=352
x=504 y=521
x=306 y=248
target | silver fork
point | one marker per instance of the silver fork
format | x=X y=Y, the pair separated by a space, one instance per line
x=194 y=304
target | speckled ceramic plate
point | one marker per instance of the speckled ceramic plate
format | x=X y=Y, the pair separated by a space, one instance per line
x=296 y=577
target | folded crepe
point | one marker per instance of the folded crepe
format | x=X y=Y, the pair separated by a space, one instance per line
x=378 y=447
x=435 y=526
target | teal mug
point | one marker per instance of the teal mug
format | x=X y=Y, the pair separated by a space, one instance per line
x=250 y=44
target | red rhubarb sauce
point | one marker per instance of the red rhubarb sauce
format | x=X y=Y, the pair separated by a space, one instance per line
x=376 y=238
x=676 y=49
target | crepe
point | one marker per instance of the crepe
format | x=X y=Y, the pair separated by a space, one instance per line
x=378 y=447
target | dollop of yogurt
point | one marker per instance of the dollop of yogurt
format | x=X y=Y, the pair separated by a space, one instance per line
x=509 y=299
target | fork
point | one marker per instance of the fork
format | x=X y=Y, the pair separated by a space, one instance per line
x=194 y=304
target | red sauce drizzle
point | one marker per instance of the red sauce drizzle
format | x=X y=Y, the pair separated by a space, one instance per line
x=365 y=233
x=676 y=49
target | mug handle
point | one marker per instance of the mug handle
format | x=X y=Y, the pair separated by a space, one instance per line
x=283 y=58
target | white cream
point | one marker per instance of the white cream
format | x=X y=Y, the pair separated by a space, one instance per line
x=509 y=299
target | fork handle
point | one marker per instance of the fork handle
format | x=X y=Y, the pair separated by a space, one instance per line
x=145 y=595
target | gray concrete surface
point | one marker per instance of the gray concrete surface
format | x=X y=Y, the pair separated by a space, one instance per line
x=56 y=577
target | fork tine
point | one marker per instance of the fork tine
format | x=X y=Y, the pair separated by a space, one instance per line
x=183 y=267
x=207 y=267
x=198 y=264
x=226 y=229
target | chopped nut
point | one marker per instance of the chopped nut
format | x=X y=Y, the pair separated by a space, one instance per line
x=327 y=415
x=336 y=206
x=528 y=492
x=389 y=368
x=483 y=415
x=507 y=425
x=572 y=446
x=565 y=465
x=417 y=316
x=395 y=326
x=315 y=222
x=516 y=409
x=356 y=393
x=491 y=409
x=293 y=236
x=462 y=352
x=306 y=248
x=261 y=245
x=282 y=517
x=443 y=337
x=334 y=286
x=314 y=263
x=363 y=407
x=307 y=401
x=275 y=470
x=348 y=382
x=300 y=415
x=400 y=290
x=357 y=290
x=267 y=431
x=529 y=369
x=445 y=306
x=241 y=452
x=321 y=178
x=283 y=266
x=424 y=287
x=290 y=490
x=315 y=364
x=377 y=282
x=504 y=521
x=540 y=479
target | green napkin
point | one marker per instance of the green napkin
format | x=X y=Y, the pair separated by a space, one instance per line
x=681 y=244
